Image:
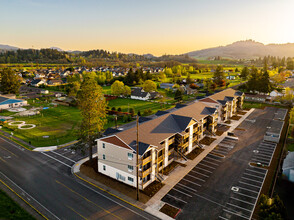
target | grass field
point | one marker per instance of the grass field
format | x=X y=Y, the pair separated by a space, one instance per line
x=11 y=210
x=138 y=105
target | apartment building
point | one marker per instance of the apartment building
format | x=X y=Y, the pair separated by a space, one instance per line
x=161 y=141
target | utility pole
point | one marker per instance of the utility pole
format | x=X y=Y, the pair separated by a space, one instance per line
x=137 y=157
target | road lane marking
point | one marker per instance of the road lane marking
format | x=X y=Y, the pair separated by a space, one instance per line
x=56 y=159
x=176 y=198
x=77 y=212
x=223 y=218
x=63 y=156
x=3 y=160
x=87 y=199
x=111 y=195
x=28 y=196
x=196 y=178
x=9 y=151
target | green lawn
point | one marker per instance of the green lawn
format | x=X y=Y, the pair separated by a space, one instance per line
x=290 y=147
x=249 y=105
x=11 y=210
x=138 y=105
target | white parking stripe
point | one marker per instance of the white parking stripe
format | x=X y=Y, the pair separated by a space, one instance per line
x=251 y=180
x=266 y=148
x=56 y=159
x=249 y=184
x=191 y=182
x=221 y=157
x=239 y=207
x=251 y=197
x=260 y=159
x=210 y=158
x=181 y=192
x=255 y=171
x=209 y=162
x=220 y=152
x=198 y=173
x=253 y=175
x=206 y=166
x=242 y=201
x=223 y=218
x=182 y=185
x=176 y=198
x=196 y=178
x=202 y=169
x=249 y=190
x=234 y=213
x=264 y=155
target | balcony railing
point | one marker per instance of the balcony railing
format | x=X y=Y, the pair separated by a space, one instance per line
x=146 y=160
x=160 y=158
x=145 y=172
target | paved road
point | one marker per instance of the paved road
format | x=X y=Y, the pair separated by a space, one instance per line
x=46 y=182
x=206 y=192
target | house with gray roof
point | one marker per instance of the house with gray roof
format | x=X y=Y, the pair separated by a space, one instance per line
x=7 y=103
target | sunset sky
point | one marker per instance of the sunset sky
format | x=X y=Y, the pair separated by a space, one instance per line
x=139 y=26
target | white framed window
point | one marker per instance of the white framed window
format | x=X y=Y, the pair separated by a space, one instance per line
x=130 y=156
x=104 y=167
x=130 y=179
x=120 y=177
x=130 y=168
x=103 y=145
x=103 y=156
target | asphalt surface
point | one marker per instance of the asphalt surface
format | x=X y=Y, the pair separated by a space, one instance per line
x=223 y=185
x=46 y=182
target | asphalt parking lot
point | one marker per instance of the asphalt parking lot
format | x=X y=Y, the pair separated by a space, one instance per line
x=224 y=185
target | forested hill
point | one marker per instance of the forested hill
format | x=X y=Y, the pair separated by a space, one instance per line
x=248 y=49
x=62 y=57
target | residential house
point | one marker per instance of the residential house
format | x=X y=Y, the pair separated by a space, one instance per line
x=140 y=94
x=54 y=82
x=6 y=103
x=38 y=82
x=257 y=97
x=166 y=85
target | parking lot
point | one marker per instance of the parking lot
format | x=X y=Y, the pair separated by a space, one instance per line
x=225 y=185
x=264 y=153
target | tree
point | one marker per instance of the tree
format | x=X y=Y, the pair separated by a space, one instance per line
x=265 y=84
x=92 y=104
x=149 y=86
x=9 y=81
x=253 y=82
x=237 y=70
x=218 y=75
x=117 y=88
x=188 y=79
x=178 y=95
x=74 y=88
x=244 y=73
x=127 y=90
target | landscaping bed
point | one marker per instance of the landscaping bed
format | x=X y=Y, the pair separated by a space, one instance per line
x=236 y=118
x=90 y=169
x=207 y=140
x=171 y=167
x=169 y=210
x=193 y=154
x=228 y=122
x=241 y=112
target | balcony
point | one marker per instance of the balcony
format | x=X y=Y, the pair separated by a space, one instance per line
x=160 y=158
x=171 y=141
x=170 y=151
x=145 y=172
x=146 y=160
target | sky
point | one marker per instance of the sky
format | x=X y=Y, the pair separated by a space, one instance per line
x=144 y=26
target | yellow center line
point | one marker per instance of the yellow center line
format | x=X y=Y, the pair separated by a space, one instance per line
x=88 y=200
x=76 y=212
x=2 y=160
x=8 y=151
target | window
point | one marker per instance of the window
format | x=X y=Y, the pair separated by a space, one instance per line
x=130 y=168
x=104 y=167
x=120 y=177
x=103 y=145
x=130 y=179
x=130 y=156
x=103 y=156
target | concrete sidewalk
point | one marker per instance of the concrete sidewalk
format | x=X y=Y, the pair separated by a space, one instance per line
x=155 y=202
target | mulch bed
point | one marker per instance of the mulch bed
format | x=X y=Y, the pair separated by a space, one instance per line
x=169 y=210
x=236 y=118
x=207 y=140
x=167 y=170
x=194 y=153
x=241 y=113
x=240 y=129
x=228 y=122
x=90 y=169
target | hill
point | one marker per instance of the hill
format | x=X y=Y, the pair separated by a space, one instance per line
x=7 y=47
x=246 y=50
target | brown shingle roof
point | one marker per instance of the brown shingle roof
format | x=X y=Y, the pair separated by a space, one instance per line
x=221 y=95
x=208 y=100
x=116 y=141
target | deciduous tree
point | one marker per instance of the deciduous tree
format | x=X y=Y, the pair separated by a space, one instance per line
x=149 y=86
x=10 y=81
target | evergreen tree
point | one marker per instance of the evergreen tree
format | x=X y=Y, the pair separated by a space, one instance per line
x=9 y=81
x=244 y=73
x=218 y=75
